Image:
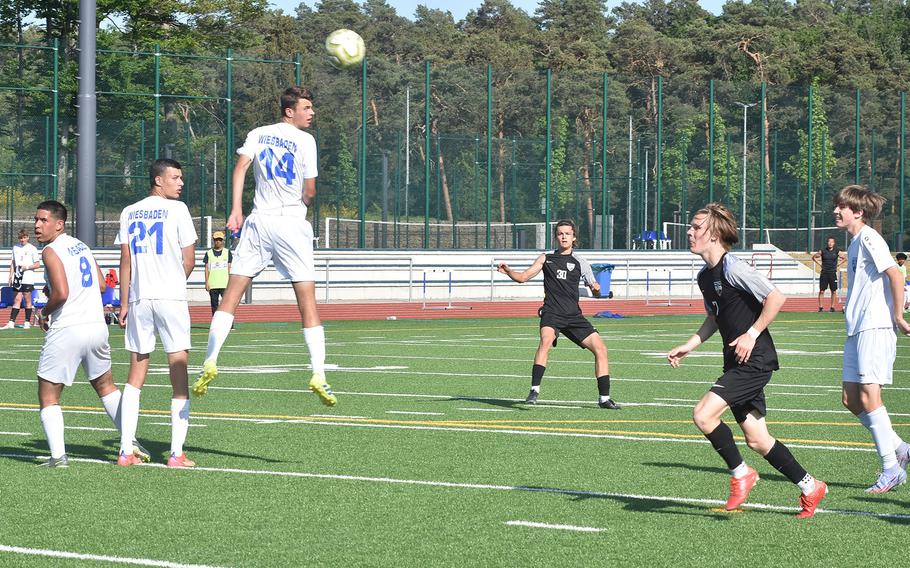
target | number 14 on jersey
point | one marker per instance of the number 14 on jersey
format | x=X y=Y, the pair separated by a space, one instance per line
x=276 y=167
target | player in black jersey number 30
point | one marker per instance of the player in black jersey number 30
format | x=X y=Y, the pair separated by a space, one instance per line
x=741 y=304
x=560 y=313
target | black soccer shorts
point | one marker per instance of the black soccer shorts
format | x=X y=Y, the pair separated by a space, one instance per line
x=743 y=389
x=577 y=328
x=827 y=281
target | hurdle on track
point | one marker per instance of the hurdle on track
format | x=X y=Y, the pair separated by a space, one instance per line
x=426 y=283
x=658 y=282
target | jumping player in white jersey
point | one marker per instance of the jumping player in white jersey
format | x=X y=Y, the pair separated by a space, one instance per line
x=157 y=254
x=875 y=297
x=741 y=304
x=76 y=333
x=283 y=158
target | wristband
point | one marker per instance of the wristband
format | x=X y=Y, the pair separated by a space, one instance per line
x=753 y=333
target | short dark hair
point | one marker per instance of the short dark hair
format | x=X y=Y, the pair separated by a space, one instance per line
x=900 y=256
x=55 y=208
x=291 y=96
x=158 y=166
x=23 y=233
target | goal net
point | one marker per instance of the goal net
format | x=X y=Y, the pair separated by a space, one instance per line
x=786 y=238
x=339 y=232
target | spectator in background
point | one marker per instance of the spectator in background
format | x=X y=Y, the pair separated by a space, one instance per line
x=217 y=269
x=26 y=259
x=831 y=258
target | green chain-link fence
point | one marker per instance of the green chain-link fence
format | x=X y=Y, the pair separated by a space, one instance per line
x=469 y=167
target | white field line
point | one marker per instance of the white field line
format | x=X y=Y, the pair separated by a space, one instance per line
x=541 y=404
x=415 y=413
x=15 y=433
x=535 y=525
x=92 y=428
x=486 y=409
x=169 y=424
x=799 y=394
x=495 y=487
x=98 y=558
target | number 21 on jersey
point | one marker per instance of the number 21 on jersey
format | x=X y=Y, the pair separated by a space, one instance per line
x=139 y=232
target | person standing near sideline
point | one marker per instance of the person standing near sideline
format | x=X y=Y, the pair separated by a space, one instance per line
x=831 y=258
x=217 y=269
x=22 y=276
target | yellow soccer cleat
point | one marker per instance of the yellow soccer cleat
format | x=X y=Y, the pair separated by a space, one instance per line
x=208 y=374
x=322 y=388
x=141 y=452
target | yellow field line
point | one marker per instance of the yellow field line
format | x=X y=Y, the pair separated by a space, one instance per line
x=534 y=425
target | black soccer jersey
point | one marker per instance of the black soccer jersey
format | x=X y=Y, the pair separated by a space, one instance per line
x=562 y=274
x=829 y=259
x=734 y=294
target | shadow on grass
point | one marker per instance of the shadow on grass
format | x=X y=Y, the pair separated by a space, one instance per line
x=500 y=402
x=763 y=475
x=643 y=504
x=107 y=451
x=41 y=452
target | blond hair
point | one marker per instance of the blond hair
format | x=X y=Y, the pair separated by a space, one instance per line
x=860 y=198
x=721 y=223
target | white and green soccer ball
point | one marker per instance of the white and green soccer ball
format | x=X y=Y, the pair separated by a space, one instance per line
x=345 y=48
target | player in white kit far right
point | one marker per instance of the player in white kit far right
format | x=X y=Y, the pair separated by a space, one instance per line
x=283 y=158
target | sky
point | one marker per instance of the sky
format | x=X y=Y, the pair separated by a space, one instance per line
x=460 y=8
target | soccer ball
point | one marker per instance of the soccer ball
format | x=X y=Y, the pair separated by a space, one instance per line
x=345 y=48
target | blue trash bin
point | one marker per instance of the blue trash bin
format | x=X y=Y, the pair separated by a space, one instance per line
x=603 y=273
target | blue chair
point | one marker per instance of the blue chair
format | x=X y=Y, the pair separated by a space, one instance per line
x=109 y=299
x=7 y=294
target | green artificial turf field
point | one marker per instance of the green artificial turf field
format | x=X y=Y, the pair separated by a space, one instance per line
x=431 y=458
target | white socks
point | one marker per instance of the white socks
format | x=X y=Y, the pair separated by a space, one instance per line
x=315 y=342
x=218 y=332
x=129 y=417
x=180 y=424
x=807 y=485
x=111 y=404
x=740 y=471
x=52 y=420
x=879 y=424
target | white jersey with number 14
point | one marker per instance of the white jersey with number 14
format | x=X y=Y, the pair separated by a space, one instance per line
x=283 y=156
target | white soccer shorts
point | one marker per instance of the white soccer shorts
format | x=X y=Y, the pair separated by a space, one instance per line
x=170 y=319
x=284 y=237
x=869 y=357
x=65 y=349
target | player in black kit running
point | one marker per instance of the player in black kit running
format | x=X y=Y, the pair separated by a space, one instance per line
x=741 y=304
x=560 y=313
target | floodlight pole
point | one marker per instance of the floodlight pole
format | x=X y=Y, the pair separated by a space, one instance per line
x=86 y=145
x=745 y=123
